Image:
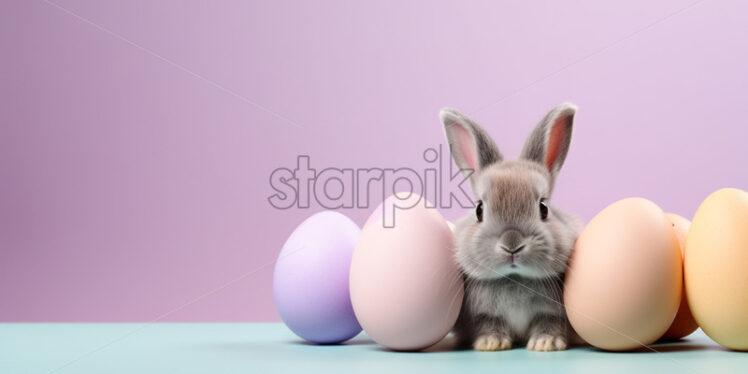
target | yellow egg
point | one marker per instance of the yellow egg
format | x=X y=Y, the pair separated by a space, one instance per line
x=623 y=286
x=716 y=268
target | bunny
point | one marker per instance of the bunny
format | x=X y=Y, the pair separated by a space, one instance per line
x=514 y=248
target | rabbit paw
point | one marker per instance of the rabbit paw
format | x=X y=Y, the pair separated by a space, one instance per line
x=492 y=342
x=546 y=343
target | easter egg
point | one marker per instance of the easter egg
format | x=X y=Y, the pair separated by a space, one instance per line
x=310 y=282
x=717 y=267
x=623 y=285
x=683 y=324
x=406 y=288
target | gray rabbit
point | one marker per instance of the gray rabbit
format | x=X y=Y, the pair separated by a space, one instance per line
x=514 y=248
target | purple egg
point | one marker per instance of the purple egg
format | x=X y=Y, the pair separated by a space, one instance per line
x=310 y=283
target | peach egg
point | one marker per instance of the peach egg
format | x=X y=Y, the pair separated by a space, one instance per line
x=624 y=281
x=683 y=324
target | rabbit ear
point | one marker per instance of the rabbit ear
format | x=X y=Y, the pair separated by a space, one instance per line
x=471 y=147
x=549 y=141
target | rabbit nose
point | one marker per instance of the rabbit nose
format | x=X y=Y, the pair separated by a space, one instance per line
x=511 y=241
x=513 y=251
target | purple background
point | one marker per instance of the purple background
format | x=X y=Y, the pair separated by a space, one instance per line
x=131 y=186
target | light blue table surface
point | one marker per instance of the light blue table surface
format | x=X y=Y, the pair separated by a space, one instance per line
x=271 y=348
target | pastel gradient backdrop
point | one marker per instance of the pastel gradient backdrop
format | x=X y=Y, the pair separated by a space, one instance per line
x=137 y=137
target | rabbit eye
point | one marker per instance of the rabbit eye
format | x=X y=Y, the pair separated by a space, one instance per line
x=479 y=211
x=543 y=209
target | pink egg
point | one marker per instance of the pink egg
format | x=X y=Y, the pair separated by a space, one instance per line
x=406 y=288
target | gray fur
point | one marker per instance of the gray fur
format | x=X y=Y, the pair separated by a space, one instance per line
x=514 y=262
x=452 y=120
x=535 y=146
